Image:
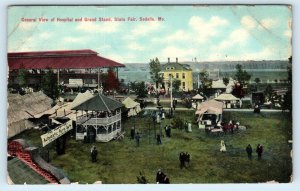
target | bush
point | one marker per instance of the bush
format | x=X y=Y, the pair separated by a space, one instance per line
x=177 y=123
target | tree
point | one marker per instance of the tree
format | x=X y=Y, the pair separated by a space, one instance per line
x=177 y=123
x=22 y=78
x=257 y=80
x=238 y=91
x=112 y=81
x=176 y=84
x=205 y=81
x=49 y=84
x=241 y=75
x=226 y=81
x=269 y=93
x=155 y=68
x=287 y=100
x=141 y=90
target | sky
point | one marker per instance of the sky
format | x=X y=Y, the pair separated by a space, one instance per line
x=207 y=33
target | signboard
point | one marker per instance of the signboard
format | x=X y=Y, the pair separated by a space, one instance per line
x=56 y=133
x=76 y=82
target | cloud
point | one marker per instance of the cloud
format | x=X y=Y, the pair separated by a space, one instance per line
x=182 y=53
x=206 y=29
x=107 y=27
x=237 y=37
x=45 y=35
x=135 y=46
x=144 y=29
x=268 y=23
x=248 y=22
x=178 y=36
x=26 y=25
x=74 y=39
x=120 y=58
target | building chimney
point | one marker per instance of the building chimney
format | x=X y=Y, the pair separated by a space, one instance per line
x=168 y=60
x=176 y=60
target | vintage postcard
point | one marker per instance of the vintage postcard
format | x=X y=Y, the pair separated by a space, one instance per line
x=149 y=94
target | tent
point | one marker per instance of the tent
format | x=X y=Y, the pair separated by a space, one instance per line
x=21 y=108
x=80 y=98
x=134 y=107
x=226 y=97
x=197 y=97
x=210 y=112
x=211 y=106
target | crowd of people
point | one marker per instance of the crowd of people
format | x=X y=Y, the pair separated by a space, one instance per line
x=249 y=150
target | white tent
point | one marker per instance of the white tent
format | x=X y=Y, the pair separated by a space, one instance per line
x=134 y=107
x=80 y=98
x=211 y=106
x=21 y=108
x=226 y=97
x=197 y=97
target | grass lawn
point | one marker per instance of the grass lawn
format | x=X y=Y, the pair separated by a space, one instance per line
x=121 y=161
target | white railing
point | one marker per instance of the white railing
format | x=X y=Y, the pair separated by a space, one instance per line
x=101 y=137
x=86 y=120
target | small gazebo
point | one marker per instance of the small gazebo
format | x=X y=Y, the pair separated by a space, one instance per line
x=197 y=99
x=229 y=100
x=99 y=120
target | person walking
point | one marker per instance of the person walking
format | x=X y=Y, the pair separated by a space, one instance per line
x=259 y=151
x=132 y=133
x=249 y=151
x=181 y=159
x=137 y=139
x=168 y=131
x=94 y=154
x=187 y=158
x=223 y=146
x=158 y=139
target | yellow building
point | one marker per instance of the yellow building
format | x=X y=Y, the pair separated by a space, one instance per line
x=181 y=72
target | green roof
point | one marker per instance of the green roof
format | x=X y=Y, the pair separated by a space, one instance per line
x=20 y=173
x=99 y=103
x=175 y=66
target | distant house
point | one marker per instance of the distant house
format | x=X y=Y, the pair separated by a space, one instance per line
x=181 y=72
x=219 y=85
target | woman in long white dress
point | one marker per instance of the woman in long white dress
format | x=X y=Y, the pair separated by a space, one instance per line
x=223 y=146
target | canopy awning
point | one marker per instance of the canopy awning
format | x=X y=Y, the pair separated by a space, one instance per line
x=226 y=97
x=197 y=97
x=129 y=103
x=211 y=106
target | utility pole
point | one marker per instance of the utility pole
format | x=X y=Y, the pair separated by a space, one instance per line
x=171 y=91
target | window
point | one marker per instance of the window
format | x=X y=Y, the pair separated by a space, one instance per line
x=183 y=75
x=177 y=75
x=183 y=85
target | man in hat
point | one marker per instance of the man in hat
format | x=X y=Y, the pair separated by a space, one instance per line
x=259 y=151
x=249 y=151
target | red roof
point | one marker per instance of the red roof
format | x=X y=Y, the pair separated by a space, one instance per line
x=71 y=59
